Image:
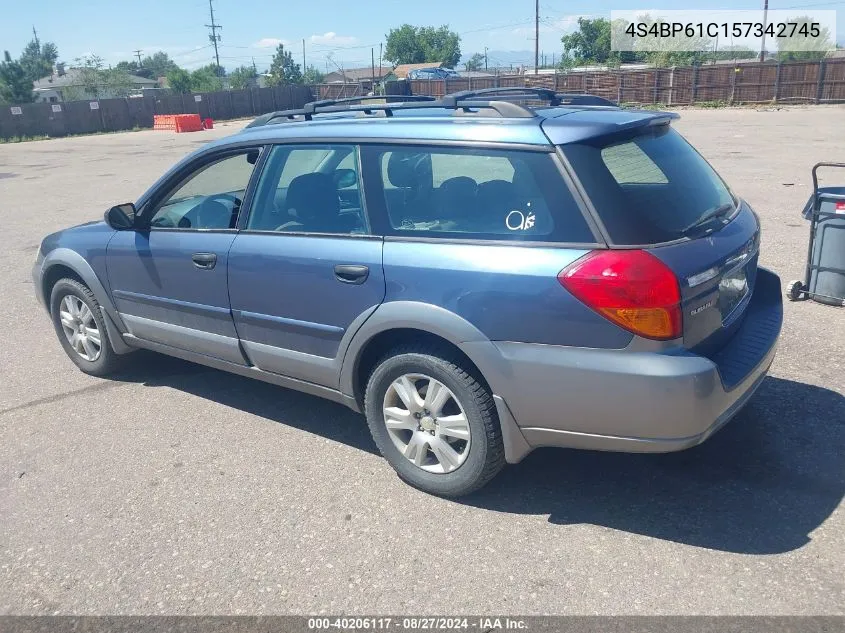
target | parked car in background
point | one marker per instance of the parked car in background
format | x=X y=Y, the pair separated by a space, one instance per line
x=477 y=276
x=433 y=73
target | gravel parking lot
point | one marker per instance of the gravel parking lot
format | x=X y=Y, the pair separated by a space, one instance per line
x=183 y=490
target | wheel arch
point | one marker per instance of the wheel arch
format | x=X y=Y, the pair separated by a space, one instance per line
x=400 y=322
x=407 y=321
x=64 y=262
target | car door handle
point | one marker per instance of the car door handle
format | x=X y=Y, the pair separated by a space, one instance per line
x=204 y=260
x=351 y=274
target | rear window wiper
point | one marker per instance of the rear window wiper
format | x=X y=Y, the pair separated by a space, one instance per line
x=711 y=214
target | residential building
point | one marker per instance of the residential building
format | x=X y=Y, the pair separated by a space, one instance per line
x=67 y=85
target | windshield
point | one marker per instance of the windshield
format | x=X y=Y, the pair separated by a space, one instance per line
x=650 y=187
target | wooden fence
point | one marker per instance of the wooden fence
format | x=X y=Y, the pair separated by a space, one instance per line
x=112 y=115
x=767 y=82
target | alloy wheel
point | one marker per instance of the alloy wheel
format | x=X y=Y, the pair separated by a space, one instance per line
x=426 y=423
x=80 y=327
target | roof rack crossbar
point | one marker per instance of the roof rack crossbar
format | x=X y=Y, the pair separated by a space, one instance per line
x=545 y=93
x=312 y=106
x=554 y=98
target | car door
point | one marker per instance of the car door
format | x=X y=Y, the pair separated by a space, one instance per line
x=304 y=271
x=169 y=279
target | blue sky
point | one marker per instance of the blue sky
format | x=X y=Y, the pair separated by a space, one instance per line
x=335 y=31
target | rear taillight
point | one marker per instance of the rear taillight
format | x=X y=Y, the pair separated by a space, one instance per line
x=633 y=289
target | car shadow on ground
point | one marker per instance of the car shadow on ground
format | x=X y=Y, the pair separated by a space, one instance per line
x=761 y=485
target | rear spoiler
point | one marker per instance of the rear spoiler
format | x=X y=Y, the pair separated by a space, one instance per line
x=583 y=125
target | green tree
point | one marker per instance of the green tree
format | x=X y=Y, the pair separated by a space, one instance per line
x=403 y=46
x=240 y=77
x=90 y=78
x=207 y=78
x=804 y=49
x=179 y=80
x=313 y=75
x=283 y=70
x=590 y=44
x=129 y=67
x=156 y=65
x=37 y=59
x=15 y=86
x=476 y=62
x=417 y=44
x=152 y=66
x=116 y=82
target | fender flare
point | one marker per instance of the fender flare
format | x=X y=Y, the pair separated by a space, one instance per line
x=454 y=329
x=73 y=260
x=428 y=318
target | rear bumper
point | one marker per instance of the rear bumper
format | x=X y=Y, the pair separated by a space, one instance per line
x=620 y=400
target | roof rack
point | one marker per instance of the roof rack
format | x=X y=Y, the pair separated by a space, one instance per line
x=465 y=100
x=312 y=106
x=322 y=105
x=547 y=94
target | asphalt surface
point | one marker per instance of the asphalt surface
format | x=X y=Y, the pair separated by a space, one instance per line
x=177 y=489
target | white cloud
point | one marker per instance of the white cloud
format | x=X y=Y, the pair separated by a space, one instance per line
x=270 y=42
x=333 y=39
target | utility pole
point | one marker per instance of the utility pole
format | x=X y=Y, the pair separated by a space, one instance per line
x=373 y=63
x=763 y=41
x=536 y=33
x=304 y=67
x=485 y=58
x=213 y=37
x=254 y=69
x=379 y=56
x=35 y=37
x=138 y=55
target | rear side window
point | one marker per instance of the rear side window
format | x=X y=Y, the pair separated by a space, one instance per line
x=647 y=187
x=474 y=193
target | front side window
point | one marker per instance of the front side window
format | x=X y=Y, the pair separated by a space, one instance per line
x=477 y=194
x=309 y=189
x=210 y=198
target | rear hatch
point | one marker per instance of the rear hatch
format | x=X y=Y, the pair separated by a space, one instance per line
x=652 y=191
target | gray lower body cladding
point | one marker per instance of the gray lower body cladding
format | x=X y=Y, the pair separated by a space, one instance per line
x=621 y=400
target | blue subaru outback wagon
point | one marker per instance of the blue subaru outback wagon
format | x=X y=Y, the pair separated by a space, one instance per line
x=480 y=275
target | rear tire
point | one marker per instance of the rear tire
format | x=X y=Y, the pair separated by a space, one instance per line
x=444 y=436
x=81 y=329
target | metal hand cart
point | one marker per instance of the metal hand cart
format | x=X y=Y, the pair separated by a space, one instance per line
x=824 y=279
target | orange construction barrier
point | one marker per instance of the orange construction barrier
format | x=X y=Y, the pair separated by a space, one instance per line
x=208 y=124
x=178 y=122
x=164 y=122
x=188 y=123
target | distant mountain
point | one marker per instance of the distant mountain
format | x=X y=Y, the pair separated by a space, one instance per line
x=504 y=58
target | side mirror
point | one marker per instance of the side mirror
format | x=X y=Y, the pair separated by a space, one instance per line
x=344 y=178
x=121 y=217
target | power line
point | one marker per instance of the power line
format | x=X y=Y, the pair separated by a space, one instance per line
x=213 y=36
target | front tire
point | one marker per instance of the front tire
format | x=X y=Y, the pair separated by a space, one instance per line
x=81 y=329
x=434 y=421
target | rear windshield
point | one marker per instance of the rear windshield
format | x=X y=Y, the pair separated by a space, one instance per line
x=649 y=187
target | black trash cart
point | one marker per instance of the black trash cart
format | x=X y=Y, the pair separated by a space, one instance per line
x=824 y=280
